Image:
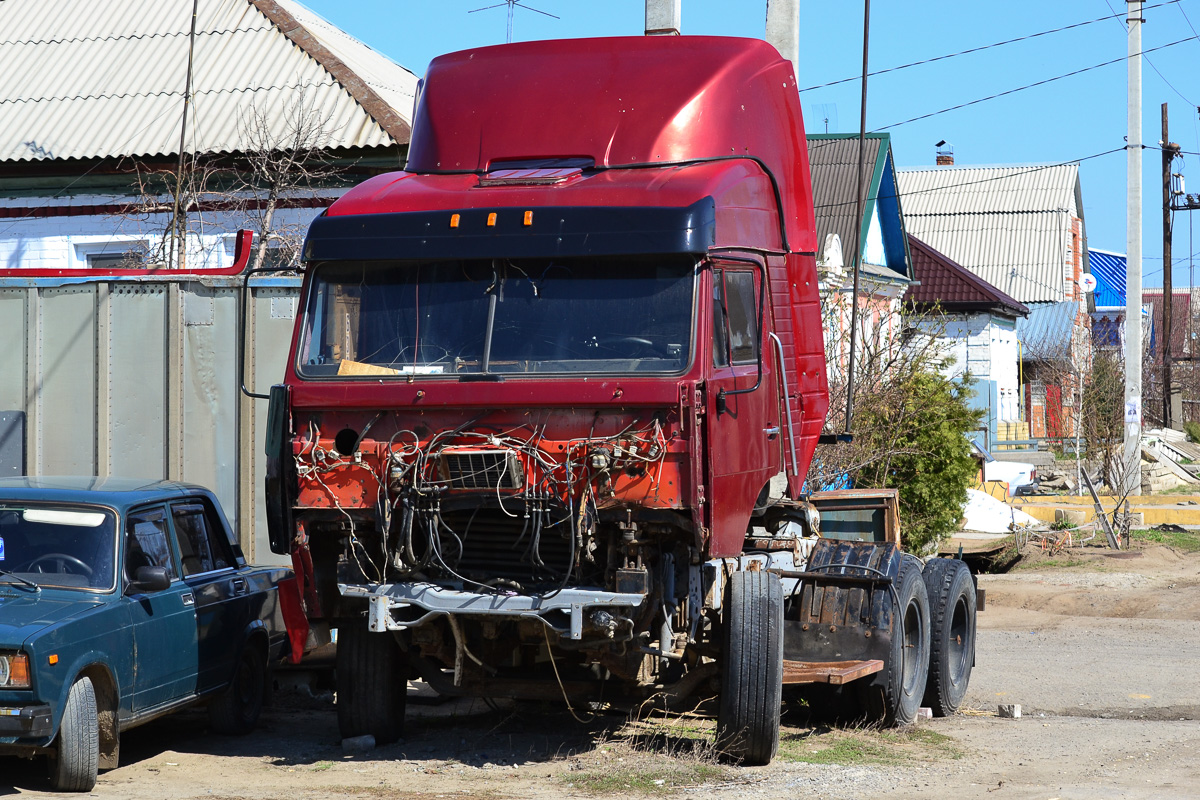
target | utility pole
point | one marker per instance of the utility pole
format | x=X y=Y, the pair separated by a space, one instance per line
x=1133 y=237
x=1169 y=150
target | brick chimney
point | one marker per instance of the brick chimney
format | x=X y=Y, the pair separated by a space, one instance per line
x=945 y=154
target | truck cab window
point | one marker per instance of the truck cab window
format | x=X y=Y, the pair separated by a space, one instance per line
x=735 y=318
x=445 y=318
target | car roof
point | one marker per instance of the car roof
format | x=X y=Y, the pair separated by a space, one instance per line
x=118 y=493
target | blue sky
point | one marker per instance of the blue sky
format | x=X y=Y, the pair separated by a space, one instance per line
x=1074 y=118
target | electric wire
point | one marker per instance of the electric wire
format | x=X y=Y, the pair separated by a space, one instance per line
x=1033 y=85
x=981 y=48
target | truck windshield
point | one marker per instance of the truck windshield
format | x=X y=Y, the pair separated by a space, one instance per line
x=607 y=315
x=66 y=546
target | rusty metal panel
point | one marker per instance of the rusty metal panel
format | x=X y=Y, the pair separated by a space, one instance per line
x=209 y=390
x=135 y=403
x=65 y=427
x=12 y=349
x=273 y=315
x=138 y=377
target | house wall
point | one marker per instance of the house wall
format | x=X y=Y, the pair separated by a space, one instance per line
x=54 y=235
x=986 y=346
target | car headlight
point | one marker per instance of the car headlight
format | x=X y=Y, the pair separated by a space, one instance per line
x=14 y=671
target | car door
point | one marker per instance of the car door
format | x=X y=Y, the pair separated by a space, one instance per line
x=221 y=590
x=164 y=623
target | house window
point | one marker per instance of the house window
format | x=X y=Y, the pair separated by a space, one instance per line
x=128 y=254
x=278 y=256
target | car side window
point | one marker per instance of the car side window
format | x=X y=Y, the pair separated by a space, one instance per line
x=201 y=541
x=147 y=543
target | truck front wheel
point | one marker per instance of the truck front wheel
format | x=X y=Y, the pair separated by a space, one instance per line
x=751 y=669
x=372 y=683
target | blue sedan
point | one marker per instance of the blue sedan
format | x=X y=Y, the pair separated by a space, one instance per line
x=121 y=601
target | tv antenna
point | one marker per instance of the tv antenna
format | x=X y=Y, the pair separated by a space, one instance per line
x=512 y=5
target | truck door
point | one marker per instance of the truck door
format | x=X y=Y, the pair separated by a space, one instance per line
x=742 y=415
x=164 y=623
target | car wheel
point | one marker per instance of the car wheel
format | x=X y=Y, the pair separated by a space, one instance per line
x=896 y=696
x=372 y=683
x=75 y=757
x=952 y=639
x=236 y=710
x=751 y=669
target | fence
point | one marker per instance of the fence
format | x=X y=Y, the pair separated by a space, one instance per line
x=136 y=375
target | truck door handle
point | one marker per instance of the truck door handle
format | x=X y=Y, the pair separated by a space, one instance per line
x=771 y=431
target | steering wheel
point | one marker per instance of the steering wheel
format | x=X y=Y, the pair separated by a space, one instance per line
x=63 y=560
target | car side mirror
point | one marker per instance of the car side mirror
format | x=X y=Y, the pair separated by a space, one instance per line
x=151 y=579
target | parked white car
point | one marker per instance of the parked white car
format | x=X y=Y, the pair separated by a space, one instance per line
x=1015 y=473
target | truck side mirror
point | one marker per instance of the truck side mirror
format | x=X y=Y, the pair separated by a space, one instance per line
x=151 y=579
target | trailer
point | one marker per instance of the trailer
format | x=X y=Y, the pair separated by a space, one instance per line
x=539 y=387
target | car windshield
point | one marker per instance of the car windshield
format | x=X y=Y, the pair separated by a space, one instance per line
x=405 y=318
x=72 y=547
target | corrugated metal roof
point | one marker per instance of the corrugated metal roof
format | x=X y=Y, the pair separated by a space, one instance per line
x=1021 y=254
x=1045 y=335
x=1181 y=309
x=1109 y=270
x=1010 y=226
x=978 y=190
x=834 y=164
x=84 y=79
x=951 y=287
x=833 y=159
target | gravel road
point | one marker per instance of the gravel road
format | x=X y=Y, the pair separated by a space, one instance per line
x=1101 y=655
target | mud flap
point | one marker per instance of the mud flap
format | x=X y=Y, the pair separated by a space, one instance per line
x=842 y=607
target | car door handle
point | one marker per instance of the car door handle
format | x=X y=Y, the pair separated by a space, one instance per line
x=188 y=599
x=239 y=585
x=772 y=431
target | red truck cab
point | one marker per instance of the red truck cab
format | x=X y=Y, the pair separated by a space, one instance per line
x=543 y=377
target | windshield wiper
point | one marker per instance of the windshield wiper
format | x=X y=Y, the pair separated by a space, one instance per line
x=25 y=581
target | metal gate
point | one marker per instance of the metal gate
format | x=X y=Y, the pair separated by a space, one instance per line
x=137 y=376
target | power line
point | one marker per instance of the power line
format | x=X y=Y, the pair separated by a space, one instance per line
x=1005 y=176
x=1032 y=85
x=985 y=47
x=1151 y=63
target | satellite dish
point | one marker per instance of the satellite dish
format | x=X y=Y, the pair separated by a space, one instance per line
x=1087 y=282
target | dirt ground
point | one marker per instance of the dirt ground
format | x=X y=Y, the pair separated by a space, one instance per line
x=1101 y=650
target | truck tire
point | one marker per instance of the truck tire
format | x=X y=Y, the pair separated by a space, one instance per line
x=372 y=683
x=235 y=711
x=894 y=697
x=751 y=669
x=75 y=758
x=952 y=635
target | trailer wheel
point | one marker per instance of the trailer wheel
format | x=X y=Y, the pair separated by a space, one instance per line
x=952 y=639
x=751 y=669
x=75 y=759
x=895 y=698
x=372 y=683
